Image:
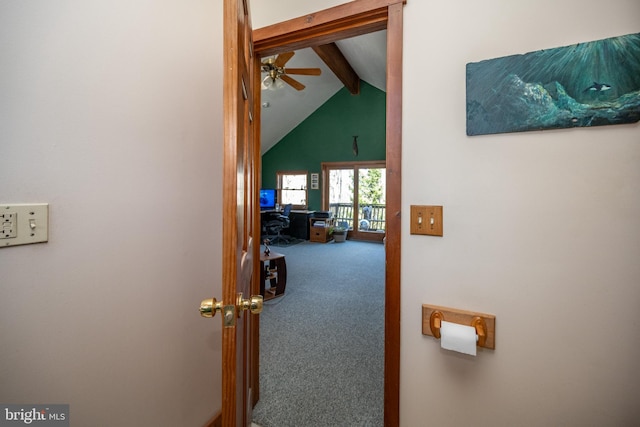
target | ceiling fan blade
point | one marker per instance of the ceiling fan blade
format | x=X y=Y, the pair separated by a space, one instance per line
x=296 y=84
x=303 y=71
x=283 y=58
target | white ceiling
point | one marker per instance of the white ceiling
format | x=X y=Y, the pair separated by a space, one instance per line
x=287 y=107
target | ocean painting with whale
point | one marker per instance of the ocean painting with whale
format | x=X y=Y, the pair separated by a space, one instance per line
x=588 y=84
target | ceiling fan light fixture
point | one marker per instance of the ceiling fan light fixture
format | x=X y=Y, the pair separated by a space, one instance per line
x=266 y=83
x=272 y=83
x=278 y=76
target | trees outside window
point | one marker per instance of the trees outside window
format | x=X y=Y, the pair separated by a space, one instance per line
x=356 y=194
x=293 y=188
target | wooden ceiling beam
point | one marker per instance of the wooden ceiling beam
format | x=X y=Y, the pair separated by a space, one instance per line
x=335 y=60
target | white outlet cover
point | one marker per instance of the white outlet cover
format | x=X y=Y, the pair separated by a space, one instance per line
x=8 y=227
x=31 y=222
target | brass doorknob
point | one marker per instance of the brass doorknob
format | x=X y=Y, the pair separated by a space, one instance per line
x=253 y=304
x=209 y=307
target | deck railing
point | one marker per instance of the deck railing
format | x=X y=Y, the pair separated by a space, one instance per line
x=371 y=217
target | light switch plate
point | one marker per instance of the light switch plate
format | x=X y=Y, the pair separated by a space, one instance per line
x=426 y=220
x=23 y=224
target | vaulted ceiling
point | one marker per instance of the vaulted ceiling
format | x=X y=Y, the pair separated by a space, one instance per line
x=285 y=108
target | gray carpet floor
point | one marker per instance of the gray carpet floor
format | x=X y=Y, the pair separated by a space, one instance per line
x=322 y=343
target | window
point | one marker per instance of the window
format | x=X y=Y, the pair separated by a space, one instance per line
x=292 y=188
x=355 y=192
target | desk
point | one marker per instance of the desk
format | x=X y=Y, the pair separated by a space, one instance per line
x=299 y=222
x=274 y=269
x=299 y=227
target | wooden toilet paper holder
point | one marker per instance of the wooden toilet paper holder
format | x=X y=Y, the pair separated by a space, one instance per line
x=484 y=324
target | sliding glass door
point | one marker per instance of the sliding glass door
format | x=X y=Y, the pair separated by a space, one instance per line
x=355 y=193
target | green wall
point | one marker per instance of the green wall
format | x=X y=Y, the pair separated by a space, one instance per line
x=327 y=136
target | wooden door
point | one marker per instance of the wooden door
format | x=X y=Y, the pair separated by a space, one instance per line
x=240 y=237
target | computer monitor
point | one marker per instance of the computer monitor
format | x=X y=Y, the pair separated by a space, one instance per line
x=267 y=198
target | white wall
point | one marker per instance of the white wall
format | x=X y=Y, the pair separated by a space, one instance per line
x=111 y=112
x=264 y=13
x=541 y=229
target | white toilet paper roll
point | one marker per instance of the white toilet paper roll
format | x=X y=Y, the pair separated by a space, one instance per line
x=458 y=338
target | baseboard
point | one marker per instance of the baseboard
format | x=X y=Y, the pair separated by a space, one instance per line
x=215 y=421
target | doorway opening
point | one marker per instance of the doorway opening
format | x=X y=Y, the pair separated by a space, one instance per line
x=348 y=20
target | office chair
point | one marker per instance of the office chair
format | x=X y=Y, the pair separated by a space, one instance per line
x=277 y=224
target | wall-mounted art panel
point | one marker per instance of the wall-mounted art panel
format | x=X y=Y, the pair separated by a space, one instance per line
x=588 y=84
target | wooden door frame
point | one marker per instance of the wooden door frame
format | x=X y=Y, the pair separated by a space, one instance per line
x=330 y=25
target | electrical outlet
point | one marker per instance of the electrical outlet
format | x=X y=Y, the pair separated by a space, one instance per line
x=23 y=224
x=9 y=228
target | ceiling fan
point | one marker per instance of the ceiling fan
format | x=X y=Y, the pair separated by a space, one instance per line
x=277 y=73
